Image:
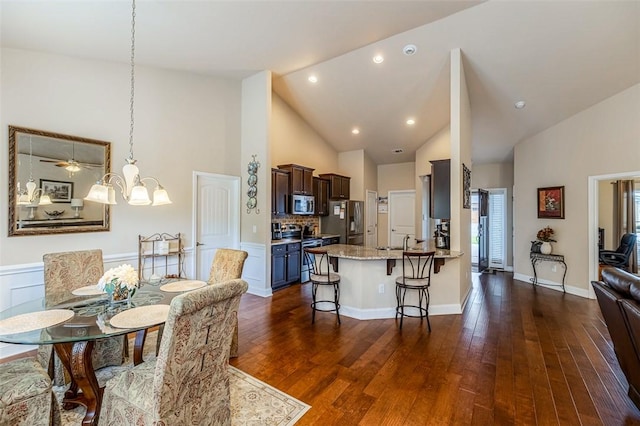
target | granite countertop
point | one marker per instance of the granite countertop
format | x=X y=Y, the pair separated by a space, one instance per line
x=285 y=241
x=345 y=251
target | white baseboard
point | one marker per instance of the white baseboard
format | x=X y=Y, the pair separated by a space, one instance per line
x=554 y=285
x=386 y=313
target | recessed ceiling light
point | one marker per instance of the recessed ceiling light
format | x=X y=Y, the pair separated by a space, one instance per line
x=520 y=104
x=378 y=59
x=355 y=131
x=313 y=79
x=411 y=121
x=397 y=150
x=409 y=49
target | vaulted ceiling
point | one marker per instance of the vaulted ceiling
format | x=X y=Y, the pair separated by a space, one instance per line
x=560 y=57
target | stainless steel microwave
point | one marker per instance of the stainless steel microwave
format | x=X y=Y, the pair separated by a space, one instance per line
x=303 y=204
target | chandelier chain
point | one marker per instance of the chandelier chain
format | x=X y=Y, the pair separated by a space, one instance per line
x=133 y=44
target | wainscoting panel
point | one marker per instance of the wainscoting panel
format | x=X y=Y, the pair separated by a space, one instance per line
x=255 y=269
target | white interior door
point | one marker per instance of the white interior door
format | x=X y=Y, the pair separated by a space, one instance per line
x=217 y=218
x=372 y=219
x=402 y=216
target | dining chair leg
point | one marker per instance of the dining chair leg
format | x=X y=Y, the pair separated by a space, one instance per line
x=314 y=290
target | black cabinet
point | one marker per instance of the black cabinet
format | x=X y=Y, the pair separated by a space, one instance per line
x=339 y=186
x=300 y=178
x=441 y=189
x=279 y=192
x=321 y=193
x=285 y=265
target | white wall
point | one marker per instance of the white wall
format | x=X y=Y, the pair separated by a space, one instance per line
x=183 y=122
x=293 y=141
x=460 y=228
x=498 y=175
x=600 y=140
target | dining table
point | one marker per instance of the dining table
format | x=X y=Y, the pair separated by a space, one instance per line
x=81 y=320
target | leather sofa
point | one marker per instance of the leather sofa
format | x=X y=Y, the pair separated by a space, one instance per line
x=618 y=295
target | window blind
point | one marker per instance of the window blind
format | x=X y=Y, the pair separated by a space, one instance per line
x=497 y=225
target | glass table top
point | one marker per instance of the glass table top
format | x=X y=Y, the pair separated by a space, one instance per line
x=91 y=316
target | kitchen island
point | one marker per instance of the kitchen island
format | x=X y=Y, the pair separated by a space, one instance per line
x=367 y=279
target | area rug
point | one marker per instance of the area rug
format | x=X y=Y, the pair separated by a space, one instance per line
x=252 y=402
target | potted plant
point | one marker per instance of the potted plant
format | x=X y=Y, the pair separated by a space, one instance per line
x=546 y=236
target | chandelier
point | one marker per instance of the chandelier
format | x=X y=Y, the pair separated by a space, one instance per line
x=131 y=185
x=29 y=195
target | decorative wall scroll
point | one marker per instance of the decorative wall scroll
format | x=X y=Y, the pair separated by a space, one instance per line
x=252 y=181
x=466 y=187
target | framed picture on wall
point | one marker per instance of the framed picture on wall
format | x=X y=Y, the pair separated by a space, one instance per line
x=551 y=202
x=59 y=191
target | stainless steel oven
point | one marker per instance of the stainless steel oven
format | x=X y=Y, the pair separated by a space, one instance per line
x=305 y=268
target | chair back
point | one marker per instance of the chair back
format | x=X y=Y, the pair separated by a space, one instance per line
x=416 y=265
x=227 y=265
x=191 y=368
x=67 y=271
x=318 y=260
x=627 y=243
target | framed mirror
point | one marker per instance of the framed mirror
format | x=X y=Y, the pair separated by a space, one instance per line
x=49 y=176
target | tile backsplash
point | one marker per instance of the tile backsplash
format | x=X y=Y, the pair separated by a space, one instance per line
x=297 y=219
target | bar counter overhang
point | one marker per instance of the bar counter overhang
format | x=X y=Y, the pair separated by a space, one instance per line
x=364 y=271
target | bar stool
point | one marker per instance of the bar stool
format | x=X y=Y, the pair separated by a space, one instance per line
x=416 y=276
x=320 y=275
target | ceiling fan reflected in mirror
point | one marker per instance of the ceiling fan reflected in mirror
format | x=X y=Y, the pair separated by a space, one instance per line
x=71 y=165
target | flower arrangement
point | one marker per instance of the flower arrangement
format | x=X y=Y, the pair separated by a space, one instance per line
x=119 y=282
x=545 y=234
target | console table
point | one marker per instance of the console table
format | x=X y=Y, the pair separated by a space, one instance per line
x=539 y=257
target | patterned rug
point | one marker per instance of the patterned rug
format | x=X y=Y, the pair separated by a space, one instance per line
x=252 y=402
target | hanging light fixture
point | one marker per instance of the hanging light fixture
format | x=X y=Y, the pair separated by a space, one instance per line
x=29 y=195
x=131 y=185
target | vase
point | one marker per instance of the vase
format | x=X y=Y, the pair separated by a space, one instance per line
x=545 y=247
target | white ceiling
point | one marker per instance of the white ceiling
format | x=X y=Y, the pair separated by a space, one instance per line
x=559 y=56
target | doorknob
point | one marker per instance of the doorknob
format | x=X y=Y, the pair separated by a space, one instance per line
x=393 y=230
x=199 y=244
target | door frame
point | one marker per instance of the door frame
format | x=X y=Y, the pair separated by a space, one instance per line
x=235 y=180
x=593 y=220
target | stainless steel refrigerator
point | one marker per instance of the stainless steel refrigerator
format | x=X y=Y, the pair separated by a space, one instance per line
x=346 y=218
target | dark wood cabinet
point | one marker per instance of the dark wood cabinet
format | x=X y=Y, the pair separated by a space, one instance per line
x=339 y=186
x=321 y=193
x=300 y=178
x=279 y=192
x=285 y=264
x=441 y=189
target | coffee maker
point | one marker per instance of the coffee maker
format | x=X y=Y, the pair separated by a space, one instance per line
x=276 y=231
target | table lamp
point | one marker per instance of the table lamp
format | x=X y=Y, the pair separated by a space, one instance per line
x=76 y=205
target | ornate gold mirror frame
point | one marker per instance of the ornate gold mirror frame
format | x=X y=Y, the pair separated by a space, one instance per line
x=63 y=167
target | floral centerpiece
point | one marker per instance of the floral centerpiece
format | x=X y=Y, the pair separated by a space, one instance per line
x=120 y=282
x=545 y=234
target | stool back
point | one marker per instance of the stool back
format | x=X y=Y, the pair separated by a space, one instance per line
x=416 y=265
x=318 y=260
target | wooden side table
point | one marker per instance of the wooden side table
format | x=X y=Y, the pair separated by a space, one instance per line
x=539 y=257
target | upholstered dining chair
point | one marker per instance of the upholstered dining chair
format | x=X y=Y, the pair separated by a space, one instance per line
x=26 y=397
x=65 y=272
x=227 y=265
x=188 y=383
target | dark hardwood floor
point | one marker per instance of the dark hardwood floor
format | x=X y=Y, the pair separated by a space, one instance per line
x=517 y=355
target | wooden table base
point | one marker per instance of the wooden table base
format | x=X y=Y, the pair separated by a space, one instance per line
x=76 y=357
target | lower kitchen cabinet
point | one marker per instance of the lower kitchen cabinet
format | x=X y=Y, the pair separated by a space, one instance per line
x=285 y=264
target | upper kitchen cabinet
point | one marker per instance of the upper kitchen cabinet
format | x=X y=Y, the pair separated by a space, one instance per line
x=441 y=189
x=279 y=191
x=300 y=178
x=321 y=193
x=339 y=186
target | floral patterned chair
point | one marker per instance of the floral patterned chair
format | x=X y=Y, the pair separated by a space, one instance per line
x=25 y=394
x=65 y=272
x=188 y=383
x=227 y=265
